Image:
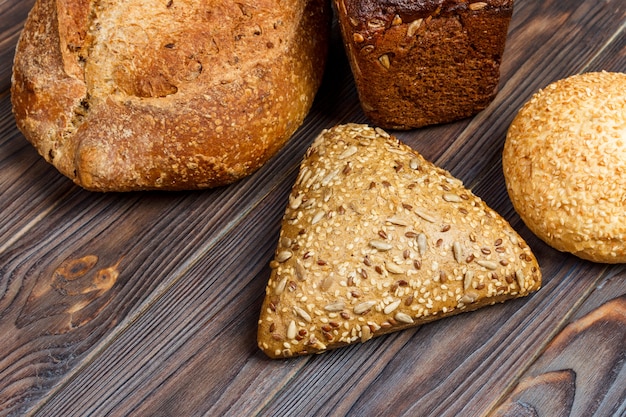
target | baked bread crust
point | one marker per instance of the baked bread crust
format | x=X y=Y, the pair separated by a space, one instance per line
x=175 y=95
x=376 y=239
x=417 y=63
x=564 y=163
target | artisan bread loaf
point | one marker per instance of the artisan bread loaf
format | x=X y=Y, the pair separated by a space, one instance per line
x=376 y=239
x=424 y=62
x=564 y=163
x=171 y=94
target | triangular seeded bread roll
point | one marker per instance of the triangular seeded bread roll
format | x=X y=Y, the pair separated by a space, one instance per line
x=376 y=239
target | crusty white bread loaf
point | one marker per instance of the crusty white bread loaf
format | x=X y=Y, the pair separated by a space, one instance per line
x=564 y=163
x=376 y=239
x=170 y=94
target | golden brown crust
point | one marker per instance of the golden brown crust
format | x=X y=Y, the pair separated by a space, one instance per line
x=376 y=239
x=418 y=63
x=564 y=162
x=184 y=95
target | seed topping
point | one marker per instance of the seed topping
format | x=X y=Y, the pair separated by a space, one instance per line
x=478 y=5
x=374 y=238
x=389 y=308
x=403 y=318
x=338 y=306
x=412 y=28
x=487 y=264
x=424 y=215
x=381 y=245
x=364 y=307
x=292 y=330
x=452 y=198
x=384 y=61
x=283 y=256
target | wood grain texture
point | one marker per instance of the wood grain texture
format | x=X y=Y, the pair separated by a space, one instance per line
x=147 y=303
x=581 y=371
x=12 y=16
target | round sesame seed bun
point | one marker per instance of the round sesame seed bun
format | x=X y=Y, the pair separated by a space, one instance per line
x=564 y=163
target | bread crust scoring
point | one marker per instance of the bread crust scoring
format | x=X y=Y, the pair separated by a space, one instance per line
x=123 y=96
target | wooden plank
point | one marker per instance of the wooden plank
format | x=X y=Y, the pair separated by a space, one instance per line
x=12 y=16
x=150 y=239
x=581 y=372
x=202 y=358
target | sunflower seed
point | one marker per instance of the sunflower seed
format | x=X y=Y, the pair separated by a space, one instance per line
x=326 y=283
x=487 y=264
x=381 y=245
x=467 y=279
x=394 y=268
x=366 y=333
x=403 y=318
x=398 y=221
x=364 y=306
x=519 y=276
x=381 y=132
x=424 y=215
x=384 y=61
x=280 y=287
x=318 y=216
x=303 y=314
x=334 y=307
x=300 y=271
x=376 y=23
x=389 y=308
x=351 y=150
x=468 y=298
x=452 y=198
x=296 y=201
x=422 y=244
x=328 y=193
x=292 y=331
x=413 y=26
x=478 y=5
x=283 y=256
x=457 y=250
x=331 y=176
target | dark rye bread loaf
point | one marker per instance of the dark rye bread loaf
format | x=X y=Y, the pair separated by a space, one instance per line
x=172 y=94
x=417 y=63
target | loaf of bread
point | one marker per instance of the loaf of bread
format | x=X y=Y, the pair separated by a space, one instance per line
x=376 y=239
x=564 y=163
x=424 y=62
x=171 y=94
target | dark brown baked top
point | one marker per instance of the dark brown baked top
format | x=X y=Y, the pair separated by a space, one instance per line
x=374 y=14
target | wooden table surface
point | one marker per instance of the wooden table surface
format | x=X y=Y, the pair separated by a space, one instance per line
x=147 y=303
